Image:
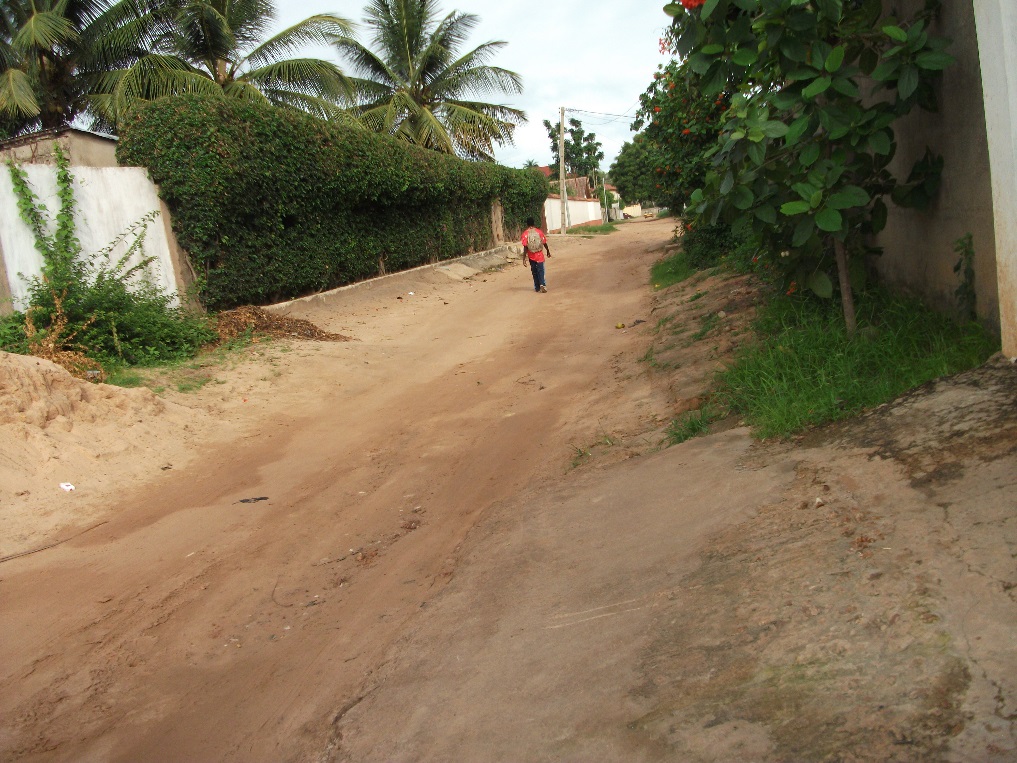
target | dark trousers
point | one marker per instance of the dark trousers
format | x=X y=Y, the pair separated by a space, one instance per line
x=537 y=268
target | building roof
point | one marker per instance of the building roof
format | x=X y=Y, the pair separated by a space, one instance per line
x=53 y=132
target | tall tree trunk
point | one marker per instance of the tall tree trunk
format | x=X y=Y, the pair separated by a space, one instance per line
x=846 y=298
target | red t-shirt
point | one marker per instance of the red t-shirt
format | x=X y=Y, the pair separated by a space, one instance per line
x=535 y=256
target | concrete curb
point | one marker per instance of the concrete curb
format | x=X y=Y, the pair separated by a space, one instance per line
x=458 y=268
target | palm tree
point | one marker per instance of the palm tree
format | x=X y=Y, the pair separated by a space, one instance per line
x=217 y=47
x=47 y=55
x=62 y=59
x=417 y=86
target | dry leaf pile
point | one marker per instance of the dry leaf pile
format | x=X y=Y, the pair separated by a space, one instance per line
x=233 y=323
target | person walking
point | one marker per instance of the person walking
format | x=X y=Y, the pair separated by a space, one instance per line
x=534 y=246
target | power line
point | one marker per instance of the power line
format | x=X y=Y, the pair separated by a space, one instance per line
x=626 y=115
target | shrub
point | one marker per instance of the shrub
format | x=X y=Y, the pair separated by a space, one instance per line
x=85 y=309
x=272 y=204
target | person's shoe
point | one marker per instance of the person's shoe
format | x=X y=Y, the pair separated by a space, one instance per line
x=543 y=289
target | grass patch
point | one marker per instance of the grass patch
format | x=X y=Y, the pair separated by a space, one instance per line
x=806 y=371
x=689 y=425
x=188 y=374
x=597 y=229
x=697 y=295
x=709 y=322
x=671 y=270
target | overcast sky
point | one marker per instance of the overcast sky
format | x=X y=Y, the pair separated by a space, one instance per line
x=592 y=55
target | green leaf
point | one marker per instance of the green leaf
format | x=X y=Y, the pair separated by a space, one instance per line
x=745 y=57
x=879 y=143
x=830 y=8
x=802 y=74
x=816 y=199
x=791 y=208
x=796 y=130
x=715 y=82
x=803 y=231
x=712 y=49
x=708 y=8
x=844 y=86
x=742 y=197
x=727 y=184
x=849 y=196
x=767 y=213
x=794 y=49
x=820 y=284
x=893 y=32
x=836 y=59
x=756 y=134
x=830 y=220
x=674 y=9
x=934 y=60
x=699 y=63
x=757 y=153
x=885 y=71
x=908 y=82
x=819 y=86
x=804 y=190
x=773 y=129
x=809 y=155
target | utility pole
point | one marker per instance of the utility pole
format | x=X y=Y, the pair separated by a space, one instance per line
x=563 y=193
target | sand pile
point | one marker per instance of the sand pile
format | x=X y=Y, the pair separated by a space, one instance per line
x=39 y=393
x=56 y=429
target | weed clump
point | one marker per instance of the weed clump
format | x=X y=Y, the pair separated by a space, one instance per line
x=89 y=313
x=806 y=370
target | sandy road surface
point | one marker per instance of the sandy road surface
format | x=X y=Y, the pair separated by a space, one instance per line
x=428 y=578
x=195 y=627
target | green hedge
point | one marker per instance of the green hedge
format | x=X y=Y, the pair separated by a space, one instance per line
x=271 y=204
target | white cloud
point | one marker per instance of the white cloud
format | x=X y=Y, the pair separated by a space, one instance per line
x=596 y=56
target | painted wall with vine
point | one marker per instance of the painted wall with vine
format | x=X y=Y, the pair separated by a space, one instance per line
x=919 y=245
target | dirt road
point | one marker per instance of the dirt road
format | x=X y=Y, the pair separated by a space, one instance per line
x=193 y=626
x=457 y=539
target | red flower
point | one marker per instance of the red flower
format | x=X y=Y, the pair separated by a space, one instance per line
x=656 y=109
x=692 y=4
x=686 y=131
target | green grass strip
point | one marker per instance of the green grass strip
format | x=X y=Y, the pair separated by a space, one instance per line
x=806 y=371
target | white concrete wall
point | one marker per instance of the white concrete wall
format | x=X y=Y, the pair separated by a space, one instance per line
x=108 y=199
x=579 y=212
x=996 y=24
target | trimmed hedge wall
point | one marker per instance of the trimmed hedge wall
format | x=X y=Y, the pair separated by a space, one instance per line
x=271 y=204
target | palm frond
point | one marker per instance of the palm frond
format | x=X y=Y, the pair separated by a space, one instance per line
x=44 y=30
x=317 y=107
x=203 y=34
x=244 y=91
x=322 y=29
x=249 y=20
x=477 y=131
x=313 y=76
x=117 y=94
x=17 y=96
x=365 y=62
